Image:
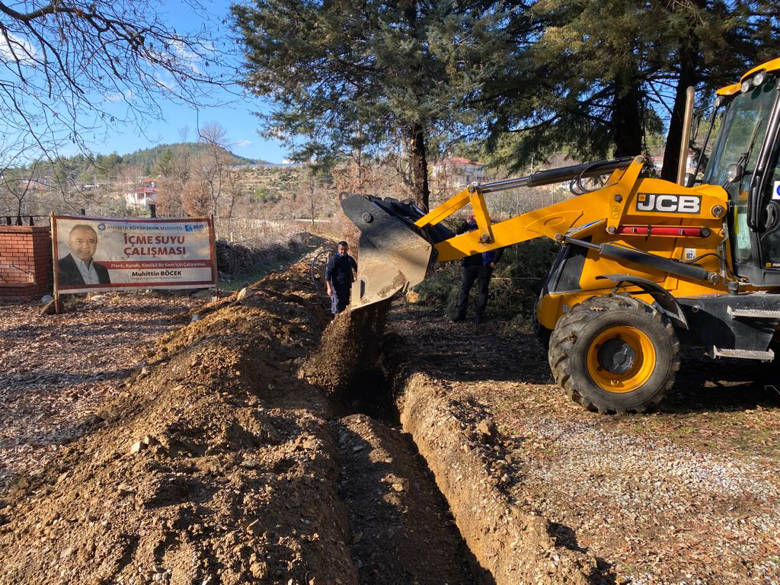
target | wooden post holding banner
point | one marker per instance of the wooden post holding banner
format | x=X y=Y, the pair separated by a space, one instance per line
x=54 y=264
x=212 y=237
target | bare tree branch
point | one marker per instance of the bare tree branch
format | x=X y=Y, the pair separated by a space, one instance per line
x=67 y=66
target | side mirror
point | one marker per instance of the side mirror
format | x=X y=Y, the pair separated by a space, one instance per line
x=734 y=173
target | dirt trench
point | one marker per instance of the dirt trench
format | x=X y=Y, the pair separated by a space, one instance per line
x=219 y=463
x=401 y=527
x=503 y=544
x=263 y=443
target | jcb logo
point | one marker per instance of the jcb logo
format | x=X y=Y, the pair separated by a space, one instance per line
x=668 y=203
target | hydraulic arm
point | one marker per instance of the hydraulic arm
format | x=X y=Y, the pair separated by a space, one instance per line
x=629 y=220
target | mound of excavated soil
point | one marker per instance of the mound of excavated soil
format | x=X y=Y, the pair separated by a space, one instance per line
x=508 y=543
x=219 y=464
x=216 y=466
x=350 y=343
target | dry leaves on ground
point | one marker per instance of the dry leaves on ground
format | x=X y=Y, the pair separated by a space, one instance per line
x=57 y=372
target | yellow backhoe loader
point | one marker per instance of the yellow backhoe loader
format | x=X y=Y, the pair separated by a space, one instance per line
x=645 y=264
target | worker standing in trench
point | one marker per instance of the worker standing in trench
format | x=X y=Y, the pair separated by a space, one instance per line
x=339 y=276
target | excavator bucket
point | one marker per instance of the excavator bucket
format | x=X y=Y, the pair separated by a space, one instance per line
x=393 y=254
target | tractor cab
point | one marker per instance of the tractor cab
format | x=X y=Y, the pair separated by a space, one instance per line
x=745 y=160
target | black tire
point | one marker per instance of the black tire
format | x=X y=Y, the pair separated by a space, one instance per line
x=614 y=354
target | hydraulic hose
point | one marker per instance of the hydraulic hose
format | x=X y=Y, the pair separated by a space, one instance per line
x=625 y=254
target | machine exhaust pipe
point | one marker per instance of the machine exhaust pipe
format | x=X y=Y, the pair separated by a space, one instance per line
x=682 y=164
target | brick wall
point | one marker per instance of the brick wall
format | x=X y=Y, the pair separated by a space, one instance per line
x=25 y=261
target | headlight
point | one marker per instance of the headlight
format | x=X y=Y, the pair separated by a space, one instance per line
x=758 y=78
x=745 y=87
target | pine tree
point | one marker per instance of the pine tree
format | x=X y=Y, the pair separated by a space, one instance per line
x=350 y=75
x=708 y=44
x=596 y=78
x=575 y=83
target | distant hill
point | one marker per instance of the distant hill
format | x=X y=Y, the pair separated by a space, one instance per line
x=106 y=168
x=147 y=158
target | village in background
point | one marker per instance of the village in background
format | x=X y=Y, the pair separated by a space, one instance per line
x=252 y=201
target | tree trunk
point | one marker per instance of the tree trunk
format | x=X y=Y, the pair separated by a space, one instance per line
x=689 y=58
x=627 y=115
x=417 y=156
x=419 y=166
x=674 y=135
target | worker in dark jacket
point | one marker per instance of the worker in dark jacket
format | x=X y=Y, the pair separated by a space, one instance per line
x=339 y=275
x=479 y=268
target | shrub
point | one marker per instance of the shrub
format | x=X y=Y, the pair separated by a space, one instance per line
x=514 y=287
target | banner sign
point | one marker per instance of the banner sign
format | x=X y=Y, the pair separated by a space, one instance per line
x=92 y=254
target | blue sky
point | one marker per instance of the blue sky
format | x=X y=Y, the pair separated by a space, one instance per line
x=181 y=123
x=236 y=117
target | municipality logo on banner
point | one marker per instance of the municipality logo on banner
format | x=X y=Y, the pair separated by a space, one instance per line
x=99 y=253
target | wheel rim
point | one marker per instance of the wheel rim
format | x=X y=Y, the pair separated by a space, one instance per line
x=621 y=359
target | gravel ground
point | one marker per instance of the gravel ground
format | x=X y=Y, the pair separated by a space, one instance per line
x=57 y=372
x=684 y=496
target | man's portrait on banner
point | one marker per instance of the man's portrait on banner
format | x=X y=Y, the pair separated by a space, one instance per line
x=79 y=267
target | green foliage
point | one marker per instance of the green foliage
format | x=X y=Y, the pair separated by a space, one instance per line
x=367 y=76
x=441 y=288
x=150 y=159
x=164 y=165
x=107 y=166
x=265 y=195
x=526 y=266
x=595 y=79
x=101 y=168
